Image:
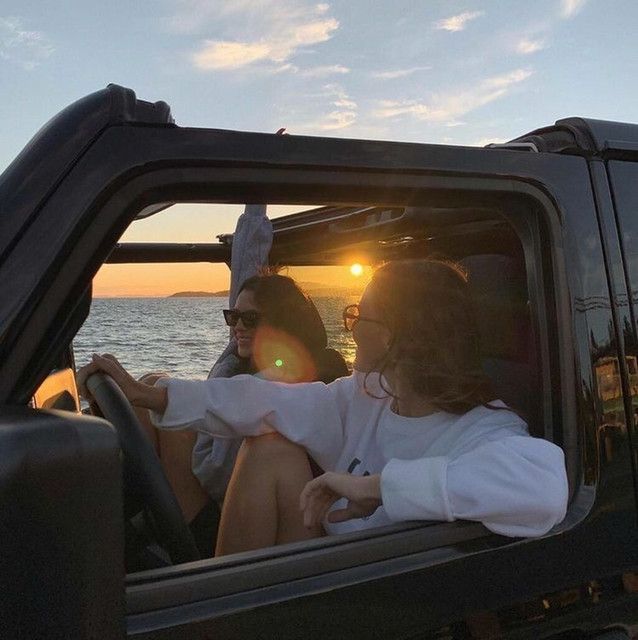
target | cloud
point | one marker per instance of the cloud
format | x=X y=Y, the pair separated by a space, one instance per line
x=569 y=8
x=458 y=22
x=345 y=103
x=323 y=71
x=398 y=73
x=341 y=111
x=24 y=48
x=338 y=120
x=230 y=55
x=345 y=113
x=527 y=46
x=286 y=67
x=452 y=105
x=248 y=33
x=274 y=48
x=197 y=16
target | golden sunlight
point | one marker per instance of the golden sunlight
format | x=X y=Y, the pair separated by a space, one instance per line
x=356 y=269
x=282 y=357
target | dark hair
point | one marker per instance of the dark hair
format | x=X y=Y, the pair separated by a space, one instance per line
x=285 y=307
x=434 y=339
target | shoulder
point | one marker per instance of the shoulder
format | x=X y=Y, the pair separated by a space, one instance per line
x=355 y=390
x=494 y=413
x=346 y=385
x=228 y=365
x=492 y=422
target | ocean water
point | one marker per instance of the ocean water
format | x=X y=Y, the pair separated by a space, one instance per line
x=181 y=336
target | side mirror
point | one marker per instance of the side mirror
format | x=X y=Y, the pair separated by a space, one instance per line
x=61 y=526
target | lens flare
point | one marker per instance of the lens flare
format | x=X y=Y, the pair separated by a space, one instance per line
x=356 y=269
x=282 y=357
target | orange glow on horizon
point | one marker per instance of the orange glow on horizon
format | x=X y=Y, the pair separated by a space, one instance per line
x=162 y=280
x=158 y=280
x=201 y=222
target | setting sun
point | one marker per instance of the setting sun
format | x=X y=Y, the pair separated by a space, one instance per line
x=356 y=269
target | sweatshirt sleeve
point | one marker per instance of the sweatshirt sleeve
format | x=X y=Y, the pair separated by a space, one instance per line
x=306 y=413
x=516 y=487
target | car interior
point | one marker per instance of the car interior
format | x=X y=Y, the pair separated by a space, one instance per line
x=497 y=243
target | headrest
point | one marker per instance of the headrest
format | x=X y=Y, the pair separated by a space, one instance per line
x=498 y=289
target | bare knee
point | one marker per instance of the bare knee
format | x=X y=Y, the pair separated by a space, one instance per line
x=271 y=447
x=272 y=457
x=153 y=377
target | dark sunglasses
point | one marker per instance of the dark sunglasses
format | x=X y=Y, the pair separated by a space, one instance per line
x=250 y=319
x=351 y=317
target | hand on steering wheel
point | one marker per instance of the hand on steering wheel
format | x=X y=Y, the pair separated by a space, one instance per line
x=143 y=470
x=136 y=392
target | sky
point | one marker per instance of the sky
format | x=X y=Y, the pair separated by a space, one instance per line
x=452 y=72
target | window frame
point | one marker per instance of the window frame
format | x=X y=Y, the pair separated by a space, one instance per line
x=433 y=543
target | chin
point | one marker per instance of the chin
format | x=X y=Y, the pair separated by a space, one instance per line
x=365 y=366
x=361 y=365
x=242 y=352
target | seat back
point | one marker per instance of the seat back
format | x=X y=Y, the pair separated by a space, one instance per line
x=498 y=287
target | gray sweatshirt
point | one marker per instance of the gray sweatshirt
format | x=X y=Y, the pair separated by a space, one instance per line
x=214 y=458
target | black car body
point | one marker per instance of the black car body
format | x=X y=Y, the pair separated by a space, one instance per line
x=546 y=222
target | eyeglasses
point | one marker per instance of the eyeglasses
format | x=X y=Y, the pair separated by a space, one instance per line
x=250 y=319
x=351 y=317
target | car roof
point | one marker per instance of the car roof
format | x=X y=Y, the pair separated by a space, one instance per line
x=57 y=147
x=586 y=137
x=61 y=142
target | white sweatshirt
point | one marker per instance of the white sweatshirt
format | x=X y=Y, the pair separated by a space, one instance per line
x=480 y=466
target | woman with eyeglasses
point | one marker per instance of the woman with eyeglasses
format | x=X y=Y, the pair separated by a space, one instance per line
x=413 y=434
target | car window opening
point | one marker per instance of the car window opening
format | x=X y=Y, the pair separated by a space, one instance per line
x=479 y=239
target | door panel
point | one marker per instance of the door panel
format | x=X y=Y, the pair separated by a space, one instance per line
x=58 y=391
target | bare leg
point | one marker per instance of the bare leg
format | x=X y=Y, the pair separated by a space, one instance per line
x=261 y=508
x=175 y=449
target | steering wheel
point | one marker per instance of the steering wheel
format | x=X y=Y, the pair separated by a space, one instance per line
x=143 y=470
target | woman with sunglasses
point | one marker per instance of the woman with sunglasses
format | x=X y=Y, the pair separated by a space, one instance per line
x=413 y=434
x=277 y=334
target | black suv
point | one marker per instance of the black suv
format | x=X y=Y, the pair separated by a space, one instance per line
x=545 y=225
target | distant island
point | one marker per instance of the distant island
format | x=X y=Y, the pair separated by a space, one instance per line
x=315 y=289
